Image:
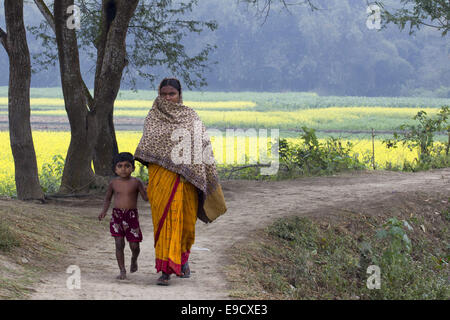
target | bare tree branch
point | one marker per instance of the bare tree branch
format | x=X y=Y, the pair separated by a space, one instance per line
x=3 y=39
x=46 y=13
x=267 y=4
x=263 y=8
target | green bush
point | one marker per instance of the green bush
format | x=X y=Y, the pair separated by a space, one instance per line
x=8 y=187
x=51 y=174
x=312 y=157
x=402 y=276
x=422 y=136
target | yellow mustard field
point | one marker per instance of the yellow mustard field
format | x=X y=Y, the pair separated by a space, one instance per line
x=383 y=155
x=326 y=118
x=49 y=144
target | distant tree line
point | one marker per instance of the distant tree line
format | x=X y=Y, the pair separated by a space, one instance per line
x=329 y=50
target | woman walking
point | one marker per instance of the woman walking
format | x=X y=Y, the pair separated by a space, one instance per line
x=180 y=190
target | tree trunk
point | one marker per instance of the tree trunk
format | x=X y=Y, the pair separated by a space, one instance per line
x=111 y=60
x=106 y=147
x=77 y=175
x=26 y=172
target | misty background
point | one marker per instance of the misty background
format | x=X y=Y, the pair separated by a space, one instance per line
x=330 y=52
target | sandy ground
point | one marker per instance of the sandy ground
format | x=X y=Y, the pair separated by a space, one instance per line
x=251 y=205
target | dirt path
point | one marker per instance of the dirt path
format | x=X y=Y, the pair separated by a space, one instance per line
x=251 y=205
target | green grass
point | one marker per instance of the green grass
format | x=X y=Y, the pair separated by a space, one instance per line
x=8 y=238
x=17 y=288
x=327 y=257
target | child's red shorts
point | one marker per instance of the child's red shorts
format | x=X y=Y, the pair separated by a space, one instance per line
x=125 y=223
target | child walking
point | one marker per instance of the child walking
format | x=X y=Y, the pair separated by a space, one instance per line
x=125 y=220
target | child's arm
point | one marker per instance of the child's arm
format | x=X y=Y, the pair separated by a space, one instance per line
x=107 y=201
x=142 y=190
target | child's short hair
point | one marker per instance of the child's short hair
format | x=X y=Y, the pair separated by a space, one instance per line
x=123 y=156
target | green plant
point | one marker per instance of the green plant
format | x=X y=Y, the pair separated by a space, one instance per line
x=420 y=136
x=8 y=187
x=446 y=214
x=51 y=173
x=404 y=274
x=398 y=245
x=313 y=157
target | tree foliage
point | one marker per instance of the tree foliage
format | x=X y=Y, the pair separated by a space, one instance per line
x=418 y=13
x=156 y=38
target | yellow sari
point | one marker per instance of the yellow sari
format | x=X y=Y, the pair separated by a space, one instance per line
x=175 y=233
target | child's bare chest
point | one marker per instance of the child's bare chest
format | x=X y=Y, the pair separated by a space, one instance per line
x=125 y=188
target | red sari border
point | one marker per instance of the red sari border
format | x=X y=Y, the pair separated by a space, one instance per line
x=169 y=267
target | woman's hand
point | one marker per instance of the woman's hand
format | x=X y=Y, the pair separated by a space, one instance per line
x=142 y=190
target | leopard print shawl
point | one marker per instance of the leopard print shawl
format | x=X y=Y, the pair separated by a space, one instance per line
x=175 y=138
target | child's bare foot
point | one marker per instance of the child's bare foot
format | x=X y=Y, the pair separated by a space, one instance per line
x=133 y=266
x=122 y=275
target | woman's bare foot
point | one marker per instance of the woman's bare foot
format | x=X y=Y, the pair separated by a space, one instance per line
x=122 y=275
x=164 y=279
x=185 y=271
x=134 y=265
